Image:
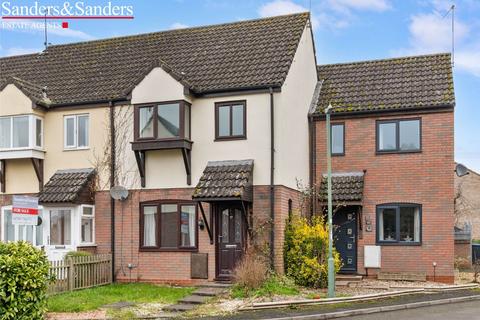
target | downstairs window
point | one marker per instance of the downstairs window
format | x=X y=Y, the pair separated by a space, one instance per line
x=399 y=223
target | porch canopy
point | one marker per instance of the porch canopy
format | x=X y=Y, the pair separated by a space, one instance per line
x=225 y=181
x=347 y=188
x=229 y=180
x=69 y=186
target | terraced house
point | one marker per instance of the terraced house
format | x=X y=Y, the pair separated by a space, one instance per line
x=211 y=129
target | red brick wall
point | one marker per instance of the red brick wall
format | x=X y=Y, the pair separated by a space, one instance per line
x=463 y=253
x=424 y=178
x=174 y=267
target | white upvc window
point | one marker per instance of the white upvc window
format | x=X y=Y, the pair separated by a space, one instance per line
x=21 y=132
x=11 y=232
x=87 y=224
x=76 y=131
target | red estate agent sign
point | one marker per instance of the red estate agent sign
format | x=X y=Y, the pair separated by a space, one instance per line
x=25 y=210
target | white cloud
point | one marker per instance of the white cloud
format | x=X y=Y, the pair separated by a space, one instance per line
x=431 y=33
x=365 y=5
x=178 y=25
x=282 y=7
x=16 y=51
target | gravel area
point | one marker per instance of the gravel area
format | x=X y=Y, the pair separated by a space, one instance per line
x=97 y=314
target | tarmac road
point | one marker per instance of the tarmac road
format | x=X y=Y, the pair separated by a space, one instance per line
x=455 y=311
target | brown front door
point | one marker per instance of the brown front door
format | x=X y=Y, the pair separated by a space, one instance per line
x=230 y=239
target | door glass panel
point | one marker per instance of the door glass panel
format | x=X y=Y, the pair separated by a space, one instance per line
x=238 y=226
x=387 y=136
x=168 y=120
x=20 y=132
x=60 y=227
x=5 y=133
x=388 y=225
x=225 y=226
x=168 y=226
x=237 y=120
x=224 y=121
x=145 y=122
x=187 y=226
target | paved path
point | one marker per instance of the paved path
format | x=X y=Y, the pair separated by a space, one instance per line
x=455 y=311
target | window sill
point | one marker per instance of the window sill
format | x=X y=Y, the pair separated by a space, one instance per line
x=161 y=144
x=76 y=149
x=338 y=154
x=398 y=151
x=402 y=244
x=86 y=245
x=168 y=249
x=218 y=139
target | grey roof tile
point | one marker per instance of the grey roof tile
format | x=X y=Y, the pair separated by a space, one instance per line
x=398 y=83
x=246 y=54
x=347 y=186
x=67 y=186
x=226 y=179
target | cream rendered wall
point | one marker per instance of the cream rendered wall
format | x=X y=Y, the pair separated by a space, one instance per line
x=157 y=86
x=56 y=157
x=165 y=169
x=291 y=116
x=14 y=102
x=20 y=176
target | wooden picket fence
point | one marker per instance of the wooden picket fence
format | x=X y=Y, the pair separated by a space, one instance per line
x=75 y=273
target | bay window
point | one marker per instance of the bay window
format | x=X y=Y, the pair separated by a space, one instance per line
x=11 y=232
x=169 y=226
x=163 y=121
x=21 y=132
x=399 y=223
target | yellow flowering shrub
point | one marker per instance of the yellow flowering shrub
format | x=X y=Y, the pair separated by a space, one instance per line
x=306 y=252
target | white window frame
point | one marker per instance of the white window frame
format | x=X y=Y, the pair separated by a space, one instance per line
x=34 y=236
x=32 y=141
x=92 y=216
x=75 y=132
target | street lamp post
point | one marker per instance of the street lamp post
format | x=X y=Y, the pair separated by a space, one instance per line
x=331 y=269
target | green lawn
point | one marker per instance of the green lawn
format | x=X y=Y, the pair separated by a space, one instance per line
x=91 y=299
x=273 y=286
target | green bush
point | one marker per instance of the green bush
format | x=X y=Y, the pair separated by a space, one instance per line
x=73 y=254
x=306 y=252
x=23 y=281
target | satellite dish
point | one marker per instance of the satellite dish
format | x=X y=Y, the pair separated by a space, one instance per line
x=119 y=193
x=461 y=170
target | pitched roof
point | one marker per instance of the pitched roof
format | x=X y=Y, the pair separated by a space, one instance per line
x=231 y=56
x=226 y=180
x=398 y=83
x=68 y=186
x=347 y=186
x=35 y=92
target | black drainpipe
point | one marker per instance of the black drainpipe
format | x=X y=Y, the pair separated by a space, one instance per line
x=112 y=183
x=272 y=180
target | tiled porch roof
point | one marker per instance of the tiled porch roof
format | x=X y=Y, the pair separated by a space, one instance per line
x=69 y=186
x=231 y=179
x=346 y=187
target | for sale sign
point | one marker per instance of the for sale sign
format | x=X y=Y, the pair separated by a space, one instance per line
x=25 y=210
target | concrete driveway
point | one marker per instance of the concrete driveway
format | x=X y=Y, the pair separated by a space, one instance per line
x=455 y=311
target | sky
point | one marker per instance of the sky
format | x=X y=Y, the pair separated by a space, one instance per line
x=344 y=30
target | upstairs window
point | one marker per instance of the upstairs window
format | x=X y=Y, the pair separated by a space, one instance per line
x=338 y=139
x=230 y=120
x=172 y=121
x=398 y=135
x=76 y=129
x=20 y=132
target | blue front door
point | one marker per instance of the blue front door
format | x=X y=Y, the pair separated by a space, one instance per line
x=345 y=237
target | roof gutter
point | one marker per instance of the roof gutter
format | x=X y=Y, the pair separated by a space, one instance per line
x=272 y=180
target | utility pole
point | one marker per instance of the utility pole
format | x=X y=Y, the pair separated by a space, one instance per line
x=331 y=268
